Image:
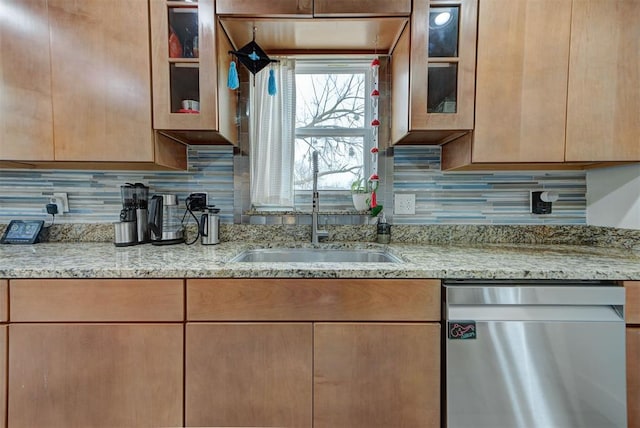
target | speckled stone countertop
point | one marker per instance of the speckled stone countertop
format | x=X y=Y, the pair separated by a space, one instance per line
x=474 y=261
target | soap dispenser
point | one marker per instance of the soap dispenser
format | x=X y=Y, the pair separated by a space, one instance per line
x=384 y=230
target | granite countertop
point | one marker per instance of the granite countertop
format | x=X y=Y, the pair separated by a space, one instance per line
x=473 y=261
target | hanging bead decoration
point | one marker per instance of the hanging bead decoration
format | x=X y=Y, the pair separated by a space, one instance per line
x=375 y=123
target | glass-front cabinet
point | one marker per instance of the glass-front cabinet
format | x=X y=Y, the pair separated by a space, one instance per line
x=189 y=60
x=437 y=54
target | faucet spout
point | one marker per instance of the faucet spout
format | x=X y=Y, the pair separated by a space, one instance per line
x=315 y=233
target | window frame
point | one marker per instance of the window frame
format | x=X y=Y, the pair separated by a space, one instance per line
x=343 y=65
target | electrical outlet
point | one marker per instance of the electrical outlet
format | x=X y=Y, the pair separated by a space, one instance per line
x=62 y=202
x=197 y=201
x=404 y=203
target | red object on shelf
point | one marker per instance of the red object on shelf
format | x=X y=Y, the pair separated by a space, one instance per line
x=184 y=110
x=175 y=48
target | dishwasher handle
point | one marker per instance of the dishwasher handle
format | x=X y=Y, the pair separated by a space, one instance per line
x=534 y=295
x=561 y=313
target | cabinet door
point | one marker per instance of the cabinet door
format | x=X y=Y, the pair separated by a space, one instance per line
x=521 y=80
x=342 y=8
x=100 y=375
x=101 y=80
x=633 y=377
x=261 y=8
x=443 y=54
x=376 y=375
x=604 y=77
x=248 y=374
x=632 y=302
x=3 y=375
x=26 y=118
x=4 y=300
x=184 y=72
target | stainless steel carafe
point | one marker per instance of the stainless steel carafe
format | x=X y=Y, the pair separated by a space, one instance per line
x=209 y=226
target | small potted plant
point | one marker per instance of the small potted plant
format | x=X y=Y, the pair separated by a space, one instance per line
x=360 y=194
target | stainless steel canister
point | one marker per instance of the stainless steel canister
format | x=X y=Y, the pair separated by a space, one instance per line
x=125 y=233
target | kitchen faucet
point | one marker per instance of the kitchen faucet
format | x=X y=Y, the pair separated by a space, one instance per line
x=315 y=233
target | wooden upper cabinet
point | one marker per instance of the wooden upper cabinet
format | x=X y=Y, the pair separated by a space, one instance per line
x=190 y=62
x=267 y=9
x=558 y=101
x=75 y=83
x=101 y=80
x=521 y=80
x=604 y=76
x=26 y=117
x=439 y=89
x=361 y=8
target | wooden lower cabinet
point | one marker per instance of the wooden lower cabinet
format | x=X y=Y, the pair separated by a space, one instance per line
x=632 y=316
x=633 y=377
x=3 y=375
x=95 y=375
x=249 y=374
x=376 y=375
x=334 y=353
x=313 y=374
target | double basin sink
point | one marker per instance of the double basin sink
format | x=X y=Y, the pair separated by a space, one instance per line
x=315 y=255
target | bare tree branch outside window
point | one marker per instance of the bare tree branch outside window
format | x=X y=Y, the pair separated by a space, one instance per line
x=332 y=118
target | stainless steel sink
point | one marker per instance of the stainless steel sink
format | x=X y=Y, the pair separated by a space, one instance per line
x=315 y=255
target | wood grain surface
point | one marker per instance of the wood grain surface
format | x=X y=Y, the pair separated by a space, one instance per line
x=313 y=300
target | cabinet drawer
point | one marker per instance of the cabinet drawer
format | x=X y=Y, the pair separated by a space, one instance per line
x=4 y=300
x=632 y=309
x=96 y=300
x=313 y=300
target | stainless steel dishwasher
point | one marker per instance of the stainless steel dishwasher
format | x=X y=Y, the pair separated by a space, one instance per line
x=534 y=354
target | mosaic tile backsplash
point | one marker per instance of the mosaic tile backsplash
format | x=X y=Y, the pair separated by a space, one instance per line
x=441 y=198
x=482 y=197
x=94 y=196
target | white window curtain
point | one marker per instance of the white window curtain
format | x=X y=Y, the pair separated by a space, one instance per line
x=271 y=137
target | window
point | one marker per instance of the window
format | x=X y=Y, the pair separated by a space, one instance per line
x=333 y=116
x=319 y=105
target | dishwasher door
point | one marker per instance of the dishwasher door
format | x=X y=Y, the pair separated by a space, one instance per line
x=529 y=356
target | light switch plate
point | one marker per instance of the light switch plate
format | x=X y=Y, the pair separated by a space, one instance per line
x=404 y=203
